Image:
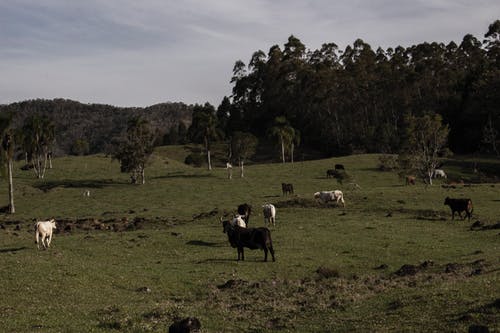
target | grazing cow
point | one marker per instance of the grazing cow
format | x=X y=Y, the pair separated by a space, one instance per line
x=187 y=325
x=327 y=196
x=339 y=167
x=459 y=206
x=245 y=210
x=439 y=173
x=252 y=238
x=269 y=212
x=44 y=229
x=331 y=173
x=287 y=188
x=86 y=193
x=410 y=180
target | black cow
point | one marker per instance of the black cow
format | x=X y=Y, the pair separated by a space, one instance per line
x=332 y=173
x=188 y=325
x=459 y=205
x=252 y=238
x=245 y=210
x=287 y=188
x=339 y=167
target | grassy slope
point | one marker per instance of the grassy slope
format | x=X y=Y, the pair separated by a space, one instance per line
x=91 y=281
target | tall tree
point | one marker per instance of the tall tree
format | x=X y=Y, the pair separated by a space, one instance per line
x=426 y=144
x=204 y=128
x=8 y=155
x=243 y=146
x=135 y=149
x=284 y=133
x=37 y=136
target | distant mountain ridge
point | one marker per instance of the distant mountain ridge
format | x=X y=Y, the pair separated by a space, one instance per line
x=97 y=124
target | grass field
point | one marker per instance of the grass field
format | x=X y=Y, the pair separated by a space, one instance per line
x=391 y=260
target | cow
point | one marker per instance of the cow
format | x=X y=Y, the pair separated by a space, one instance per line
x=252 y=238
x=245 y=210
x=269 y=212
x=86 y=193
x=327 y=196
x=410 y=180
x=439 y=173
x=459 y=206
x=339 y=167
x=287 y=188
x=43 y=230
x=331 y=173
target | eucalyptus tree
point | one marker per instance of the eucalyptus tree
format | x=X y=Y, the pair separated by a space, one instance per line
x=243 y=146
x=284 y=133
x=204 y=128
x=7 y=156
x=37 y=136
x=135 y=149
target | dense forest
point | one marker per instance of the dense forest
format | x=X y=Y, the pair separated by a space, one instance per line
x=360 y=99
x=338 y=102
x=91 y=128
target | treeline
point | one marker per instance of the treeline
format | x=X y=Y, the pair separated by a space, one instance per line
x=92 y=128
x=360 y=99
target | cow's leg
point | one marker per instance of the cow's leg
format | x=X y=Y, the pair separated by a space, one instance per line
x=265 y=253
x=36 y=240
x=49 y=239
x=272 y=251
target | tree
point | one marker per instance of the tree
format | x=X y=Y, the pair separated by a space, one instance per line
x=490 y=136
x=243 y=146
x=135 y=149
x=8 y=155
x=37 y=136
x=284 y=133
x=204 y=128
x=426 y=143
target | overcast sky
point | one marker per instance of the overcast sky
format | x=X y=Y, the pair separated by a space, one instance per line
x=143 y=52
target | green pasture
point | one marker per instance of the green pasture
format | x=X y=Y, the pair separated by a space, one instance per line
x=391 y=260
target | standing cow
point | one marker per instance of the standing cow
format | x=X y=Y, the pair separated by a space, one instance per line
x=269 y=212
x=44 y=230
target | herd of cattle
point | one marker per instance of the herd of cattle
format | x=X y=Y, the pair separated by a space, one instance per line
x=241 y=236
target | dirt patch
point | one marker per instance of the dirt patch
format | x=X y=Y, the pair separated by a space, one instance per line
x=301 y=203
x=327 y=273
x=478 y=225
x=408 y=269
x=206 y=215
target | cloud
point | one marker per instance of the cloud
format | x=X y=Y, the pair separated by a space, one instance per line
x=139 y=53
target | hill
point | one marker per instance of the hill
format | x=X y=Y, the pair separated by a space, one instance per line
x=97 y=124
x=134 y=257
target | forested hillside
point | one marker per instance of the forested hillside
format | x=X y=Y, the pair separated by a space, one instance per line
x=359 y=99
x=96 y=125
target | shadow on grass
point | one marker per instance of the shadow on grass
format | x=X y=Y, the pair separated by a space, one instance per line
x=225 y=260
x=183 y=175
x=13 y=249
x=202 y=243
x=83 y=183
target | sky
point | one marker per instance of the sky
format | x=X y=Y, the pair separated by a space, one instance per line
x=144 y=52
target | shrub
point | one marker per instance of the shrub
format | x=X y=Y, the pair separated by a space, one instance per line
x=195 y=159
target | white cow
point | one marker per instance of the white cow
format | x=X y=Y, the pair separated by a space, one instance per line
x=327 y=196
x=439 y=173
x=269 y=212
x=239 y=221
x=44 y=230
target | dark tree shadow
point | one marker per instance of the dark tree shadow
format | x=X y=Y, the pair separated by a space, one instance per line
x=202 y=243
x=183 y=175
x=83 y=183
x=13 y=249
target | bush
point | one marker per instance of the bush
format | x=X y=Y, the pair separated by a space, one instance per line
x=387 y=162
x=195 y=159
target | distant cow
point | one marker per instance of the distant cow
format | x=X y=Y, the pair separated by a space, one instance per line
x=339 y=167
x=327 y=196
x=332 y=173
x=410 y=180
x=252 y=238
x=459 y=206
x=44 y=230
x=245 y=210
x=439 y=173
x=287 y=188
x=86 y=193
x=269 y=212
x=188 y=325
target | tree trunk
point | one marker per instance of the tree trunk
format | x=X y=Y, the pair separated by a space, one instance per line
x=143 y=176
x=292 y=149
x=208 y=160
x=12 y=208
x=282 y=151
x=49 y=157
x=241 y=169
